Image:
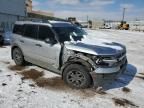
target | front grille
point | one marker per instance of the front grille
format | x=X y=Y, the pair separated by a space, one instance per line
x=119 y=55
x=118 y=60
x=112 y=60
x=121 y=62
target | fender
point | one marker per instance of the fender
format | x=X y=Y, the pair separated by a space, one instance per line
x=79 y=59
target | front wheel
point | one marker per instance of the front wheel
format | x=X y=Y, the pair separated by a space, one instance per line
x=18 y=57
x=77 y=76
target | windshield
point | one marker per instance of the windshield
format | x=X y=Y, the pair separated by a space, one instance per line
x=69 y=33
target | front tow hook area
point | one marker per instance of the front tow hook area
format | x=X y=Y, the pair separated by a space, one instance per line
x=100 y=79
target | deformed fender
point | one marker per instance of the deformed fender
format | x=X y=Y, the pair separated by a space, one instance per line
x=86 y=59
x=79 y=59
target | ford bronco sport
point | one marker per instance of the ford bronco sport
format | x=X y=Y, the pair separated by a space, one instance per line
x=65 y=49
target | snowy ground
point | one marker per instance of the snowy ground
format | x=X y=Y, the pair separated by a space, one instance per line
x=42 y=89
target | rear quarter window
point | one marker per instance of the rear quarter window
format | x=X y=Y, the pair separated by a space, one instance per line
x=18 y=29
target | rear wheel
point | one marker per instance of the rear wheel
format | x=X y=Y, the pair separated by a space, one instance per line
x=18 y=57
x=1 y=43
x=77 y=76
x=1 y=40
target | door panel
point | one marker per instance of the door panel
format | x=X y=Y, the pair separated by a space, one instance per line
x=29 y=48
x=29 y=40
x=49 y=54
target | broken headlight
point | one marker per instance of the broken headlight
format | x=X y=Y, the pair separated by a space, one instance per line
x=100 y=62
x=105 y=61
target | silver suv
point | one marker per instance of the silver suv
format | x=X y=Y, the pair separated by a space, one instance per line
x=67 y=50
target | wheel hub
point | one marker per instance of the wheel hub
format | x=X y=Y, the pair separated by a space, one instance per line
x=17 y=56
x=76 y=78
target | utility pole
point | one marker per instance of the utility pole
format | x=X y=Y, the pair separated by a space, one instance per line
x=123 y=17
x=87 y=18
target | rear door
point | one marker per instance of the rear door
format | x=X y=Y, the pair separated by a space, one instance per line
x=29 y=41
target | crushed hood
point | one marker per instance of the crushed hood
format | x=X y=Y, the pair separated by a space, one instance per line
x=95 y=46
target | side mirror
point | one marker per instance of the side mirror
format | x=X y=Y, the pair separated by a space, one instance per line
x=50 y=41
x=47 y=40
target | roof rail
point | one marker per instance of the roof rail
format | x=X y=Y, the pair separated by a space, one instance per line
x=39 y=20
x=34 y=20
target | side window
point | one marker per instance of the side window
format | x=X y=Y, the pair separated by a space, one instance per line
x=18 y=29
x=31 y=31
x=45 y=32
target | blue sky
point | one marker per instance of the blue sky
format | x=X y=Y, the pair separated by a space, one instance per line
x=95 y=9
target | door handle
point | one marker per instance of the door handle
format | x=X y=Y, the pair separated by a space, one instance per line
x=39 y=45
x=21 y=41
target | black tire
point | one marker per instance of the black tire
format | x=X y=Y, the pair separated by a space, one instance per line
x=18 y=57
x=77 y=76
x=1 y=43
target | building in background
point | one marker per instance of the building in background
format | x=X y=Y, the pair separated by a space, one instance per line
x=29 y=5
x=84 y=23
x=39 y=13
x=11 y=11
x=79 y=23
x=136 y=25
x=96 y=24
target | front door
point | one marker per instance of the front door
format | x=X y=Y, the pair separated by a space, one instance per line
x=49 y=51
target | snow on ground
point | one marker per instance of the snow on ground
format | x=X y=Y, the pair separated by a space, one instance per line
x=19 y=88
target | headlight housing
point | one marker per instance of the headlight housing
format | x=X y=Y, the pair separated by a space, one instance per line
x=105 y=61
x=100 y=62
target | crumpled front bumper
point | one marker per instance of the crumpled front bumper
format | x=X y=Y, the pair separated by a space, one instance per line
x=104 y=75
x=111 y=70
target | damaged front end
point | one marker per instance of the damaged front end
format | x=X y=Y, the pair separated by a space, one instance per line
x=110 y=64
x=108 y=68
x=102 y=68
x=98 y=65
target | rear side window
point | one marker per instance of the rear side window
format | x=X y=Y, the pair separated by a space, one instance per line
x=18 y=29
x=45 y=32
x=31 y=31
